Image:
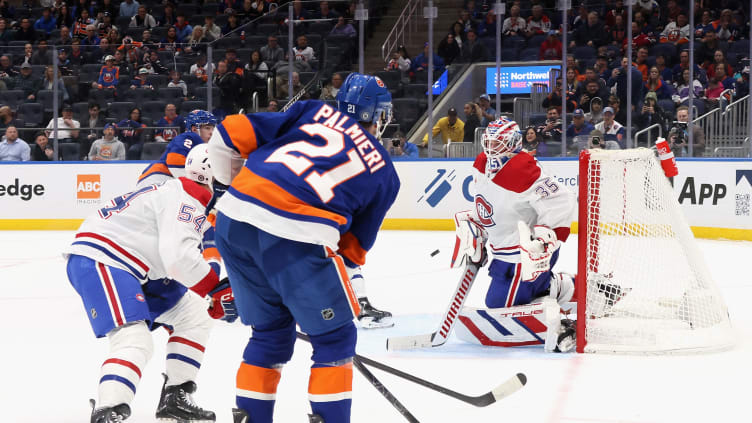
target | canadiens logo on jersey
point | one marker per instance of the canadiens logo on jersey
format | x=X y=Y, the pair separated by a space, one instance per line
x=484 y=210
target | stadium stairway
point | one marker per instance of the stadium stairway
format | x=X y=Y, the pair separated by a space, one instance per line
x=448 y=14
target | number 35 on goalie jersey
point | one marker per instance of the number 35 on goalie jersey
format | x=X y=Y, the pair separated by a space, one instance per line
x=312 y=174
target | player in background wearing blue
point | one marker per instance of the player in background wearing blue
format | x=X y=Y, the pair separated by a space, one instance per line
x=124 y=263
x=199 y=128
x=298 y=219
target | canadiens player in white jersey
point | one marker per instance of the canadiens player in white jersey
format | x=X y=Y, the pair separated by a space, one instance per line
x=124 y=263
x=524 y=215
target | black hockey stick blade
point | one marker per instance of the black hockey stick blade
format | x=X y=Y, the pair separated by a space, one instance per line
x=383 y=390
x=510 y=386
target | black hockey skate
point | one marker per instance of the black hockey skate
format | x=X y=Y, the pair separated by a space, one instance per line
x=176 y=405
x=371 y=318
x=567 y=339
x=239 y=416
x=114 y=414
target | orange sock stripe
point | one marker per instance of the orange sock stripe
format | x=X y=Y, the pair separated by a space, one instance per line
x=330 y=380
x=258 y=379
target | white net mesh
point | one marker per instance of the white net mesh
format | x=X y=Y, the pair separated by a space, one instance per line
x=648 y=288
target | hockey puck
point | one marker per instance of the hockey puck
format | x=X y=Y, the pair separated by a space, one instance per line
x=434 y=253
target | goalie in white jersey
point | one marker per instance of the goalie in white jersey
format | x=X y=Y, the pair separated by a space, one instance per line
x=124 y=263
x=523 y=214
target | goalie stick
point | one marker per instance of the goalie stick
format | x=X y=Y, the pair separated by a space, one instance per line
x=440 y=336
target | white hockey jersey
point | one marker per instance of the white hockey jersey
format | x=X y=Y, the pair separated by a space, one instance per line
x=153 y=233
x=519 y=191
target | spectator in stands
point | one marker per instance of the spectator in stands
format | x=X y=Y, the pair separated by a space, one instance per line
x=302 y=51
x=612 y=14
x=684 y=64
x=129 y=8
x=27 y=82
x=591 y=34
x=342 y=28
x=573 y=84
x=233 y=63
x=42 y=55
x=251 y=10
x=619 y=80
x=170 y=42
x=142 y=19
x=651 y=114
x=706 y=24
x=67 y=127
x=611 y=129
x=421 y=61
x=5 y=33
x=448 y=49
x=176 y=82
x=141 y=80
x=92 y=126
x=200 y=69
x=641 y=62
x=488 y=113
x=28 y=52
x=109 y=75
x=48 y=82
x=299 y=14
x=579 y=127
x=79 y=6
x=64 y=16
x=272 y=52
x=64 y=39
x=6 y=68
x=82 y=22
x=530 y=140
x=472 y=120
x=592 y=91
x=595 y=115
x=106 y=6
x=639 y=38
x=330 y=90
x=401 y=149
x=738 y=29
x=554 y=99
x=195 y=45
x=666 y=74
x=656 y=85
x=325 y=12
x=168 y=17
x=620 y=113
x=147 y=42
x=232 y=22
x=705 y=54
x=718 y=84
x=12 y=148
x=473 y=49
x=113 y=36
x=91 y=39
x=550 y=131
x=450 y=127
x=550 y=48
x=47 y=22
x=229 y=84
x=398 y=62
x=679 y=139
x=678 y=31
x=283 y=86
x=76 y=55
x=643 y=26
x=538 y=23
x=130 y=134
x=171 y=122
x=26 y=32
x=104 y=24
x=459 y=34
x=154 y=65
x=718 y=59
x=211 y=30
x=273 y=106
x=184 y=29
x=42 y=150
x=6 y=118
x=108 y=147
x=514 y=24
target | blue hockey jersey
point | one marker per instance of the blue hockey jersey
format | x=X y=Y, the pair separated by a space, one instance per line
x=172 y=162
x=312 y=175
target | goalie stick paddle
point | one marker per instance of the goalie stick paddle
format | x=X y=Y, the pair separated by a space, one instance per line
x=376 y=384
x=507 y=388
x=440 y=336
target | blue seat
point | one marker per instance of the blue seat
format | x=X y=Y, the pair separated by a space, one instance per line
x=509 y=54
x=530 y=54
x=584 y=53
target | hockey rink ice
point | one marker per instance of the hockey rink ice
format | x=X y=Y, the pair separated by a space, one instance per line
x=50 y=358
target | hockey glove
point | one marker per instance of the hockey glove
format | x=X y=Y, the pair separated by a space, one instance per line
x=536 y=249
x=223 y=302
x=469 y=242
x=218 y=189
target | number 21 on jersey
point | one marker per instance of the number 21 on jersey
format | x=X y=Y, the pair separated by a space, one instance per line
x=322 y=183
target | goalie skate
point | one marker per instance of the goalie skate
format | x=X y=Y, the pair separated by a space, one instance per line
x=373 y=318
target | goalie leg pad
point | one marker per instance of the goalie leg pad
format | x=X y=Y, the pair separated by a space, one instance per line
x=508 y=326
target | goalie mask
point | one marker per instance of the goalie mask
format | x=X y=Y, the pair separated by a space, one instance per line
x=501 y=138
x=197 y=167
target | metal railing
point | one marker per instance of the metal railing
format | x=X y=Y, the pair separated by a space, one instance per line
x=404 y=23
x=727 y=129
x=742 y=151
x=522 y=107
x=648 y=132
x=538 y=93
x=462 y=149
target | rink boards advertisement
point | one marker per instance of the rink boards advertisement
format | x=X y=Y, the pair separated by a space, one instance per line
x=715 y=195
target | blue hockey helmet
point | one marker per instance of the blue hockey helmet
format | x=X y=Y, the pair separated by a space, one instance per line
x=199 y=118
x=366 y=99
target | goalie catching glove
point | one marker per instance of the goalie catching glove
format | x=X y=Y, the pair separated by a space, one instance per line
x=470 y=241
x=536 y=249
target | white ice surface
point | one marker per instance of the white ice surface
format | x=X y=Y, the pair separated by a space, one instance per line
x=49 y=358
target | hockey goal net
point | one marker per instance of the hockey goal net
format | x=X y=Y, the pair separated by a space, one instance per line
x=642 y=283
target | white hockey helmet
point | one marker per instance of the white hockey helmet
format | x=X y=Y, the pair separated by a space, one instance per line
x=197 y=167
x=502 y=137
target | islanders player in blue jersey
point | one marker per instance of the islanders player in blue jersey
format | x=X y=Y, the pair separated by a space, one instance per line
x=294 y=222
x=200 y=126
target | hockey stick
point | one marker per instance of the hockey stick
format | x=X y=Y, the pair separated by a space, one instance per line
x=440 y=336
x=376 y=384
